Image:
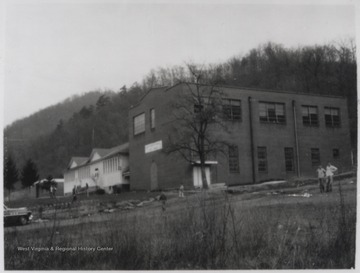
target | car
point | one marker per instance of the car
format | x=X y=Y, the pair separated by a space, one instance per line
x=20 y=216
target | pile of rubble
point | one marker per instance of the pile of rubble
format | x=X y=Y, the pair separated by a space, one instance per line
x=124 y=205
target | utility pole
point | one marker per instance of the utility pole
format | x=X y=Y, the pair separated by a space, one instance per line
x=93 y=138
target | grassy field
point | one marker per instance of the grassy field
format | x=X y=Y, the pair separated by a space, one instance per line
x=296 y=228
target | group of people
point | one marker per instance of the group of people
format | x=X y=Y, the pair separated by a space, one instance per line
x=325 y=177
x=163 y=197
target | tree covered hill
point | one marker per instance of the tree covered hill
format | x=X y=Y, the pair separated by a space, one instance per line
x=45 y=120
x=101 y=119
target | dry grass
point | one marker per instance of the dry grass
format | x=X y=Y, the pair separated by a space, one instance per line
x=204 y=234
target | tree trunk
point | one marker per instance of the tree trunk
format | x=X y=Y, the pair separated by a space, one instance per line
x=203 y=175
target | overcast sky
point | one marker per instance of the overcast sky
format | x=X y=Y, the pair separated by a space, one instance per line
x=56 y=49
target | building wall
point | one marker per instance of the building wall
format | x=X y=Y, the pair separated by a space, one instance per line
x=173 y=170
x=141 y=162
x=275 y=137
x=96 y=178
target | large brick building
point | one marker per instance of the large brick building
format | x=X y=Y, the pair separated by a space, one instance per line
x=274 y=135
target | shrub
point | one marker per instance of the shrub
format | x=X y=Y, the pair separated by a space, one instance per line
x=100 y=191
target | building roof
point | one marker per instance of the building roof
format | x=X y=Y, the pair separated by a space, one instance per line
x=102 y=153
x=78 y=161
x=167 y=88
x=57 y=180
x=121 y=149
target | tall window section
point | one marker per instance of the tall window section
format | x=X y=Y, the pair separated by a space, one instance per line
x=272 y=112
x=111 y=164
x=84 y=172
x=332 y=117
x=152 y=119
x=139 y=124
x=234 y=159
x=310 y=115
x=262 y=159
x=232 y=109
x=315 y=156
x=289 y=159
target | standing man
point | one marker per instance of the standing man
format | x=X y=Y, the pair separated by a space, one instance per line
x=163 y=199
x=330 y=170
x=87 y=190
x=51 y=191
x=321 y=178
x=181 y=191
x=54 y=191
x=74 y=195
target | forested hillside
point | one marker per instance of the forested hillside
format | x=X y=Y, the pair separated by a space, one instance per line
x=103 y=122
x=45 y=120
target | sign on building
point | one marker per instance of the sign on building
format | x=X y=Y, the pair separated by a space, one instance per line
x=153 y=147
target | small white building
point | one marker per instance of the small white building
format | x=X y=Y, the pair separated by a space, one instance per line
x=104 y=169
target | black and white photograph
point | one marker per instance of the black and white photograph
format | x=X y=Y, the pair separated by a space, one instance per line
x=179 y=135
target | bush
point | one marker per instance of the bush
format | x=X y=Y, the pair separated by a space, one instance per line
x=100 y=191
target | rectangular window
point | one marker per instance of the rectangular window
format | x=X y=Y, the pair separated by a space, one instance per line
x=315 y=156
x=332 y=117
x=336 y=153
x=262 y=159
x=152 y=118
x=234 y=159
x=272 y=112
x=232 y=109
x=310 y=115
x=139 y=124
x=289 y=159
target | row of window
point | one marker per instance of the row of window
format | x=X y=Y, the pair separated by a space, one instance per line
x=263 y=162
x=111 y=164
x=310 y=116
x=315 y=155
x=274 y=112
x=84 y=172
x=289 y=158
x=269 y=112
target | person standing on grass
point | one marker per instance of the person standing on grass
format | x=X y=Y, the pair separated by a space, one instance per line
x=74 y=191
x=330 y=170
x=87 y=190
x=321 y=172
x=51 y=191
x=54 y=191
x=163 y=199
x=181 y=191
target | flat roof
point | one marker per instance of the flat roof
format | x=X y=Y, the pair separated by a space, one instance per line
x=167 y=88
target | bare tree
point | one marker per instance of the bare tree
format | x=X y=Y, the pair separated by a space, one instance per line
x=197 y=115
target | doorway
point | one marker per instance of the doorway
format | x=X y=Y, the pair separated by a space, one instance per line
x=197 y=179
